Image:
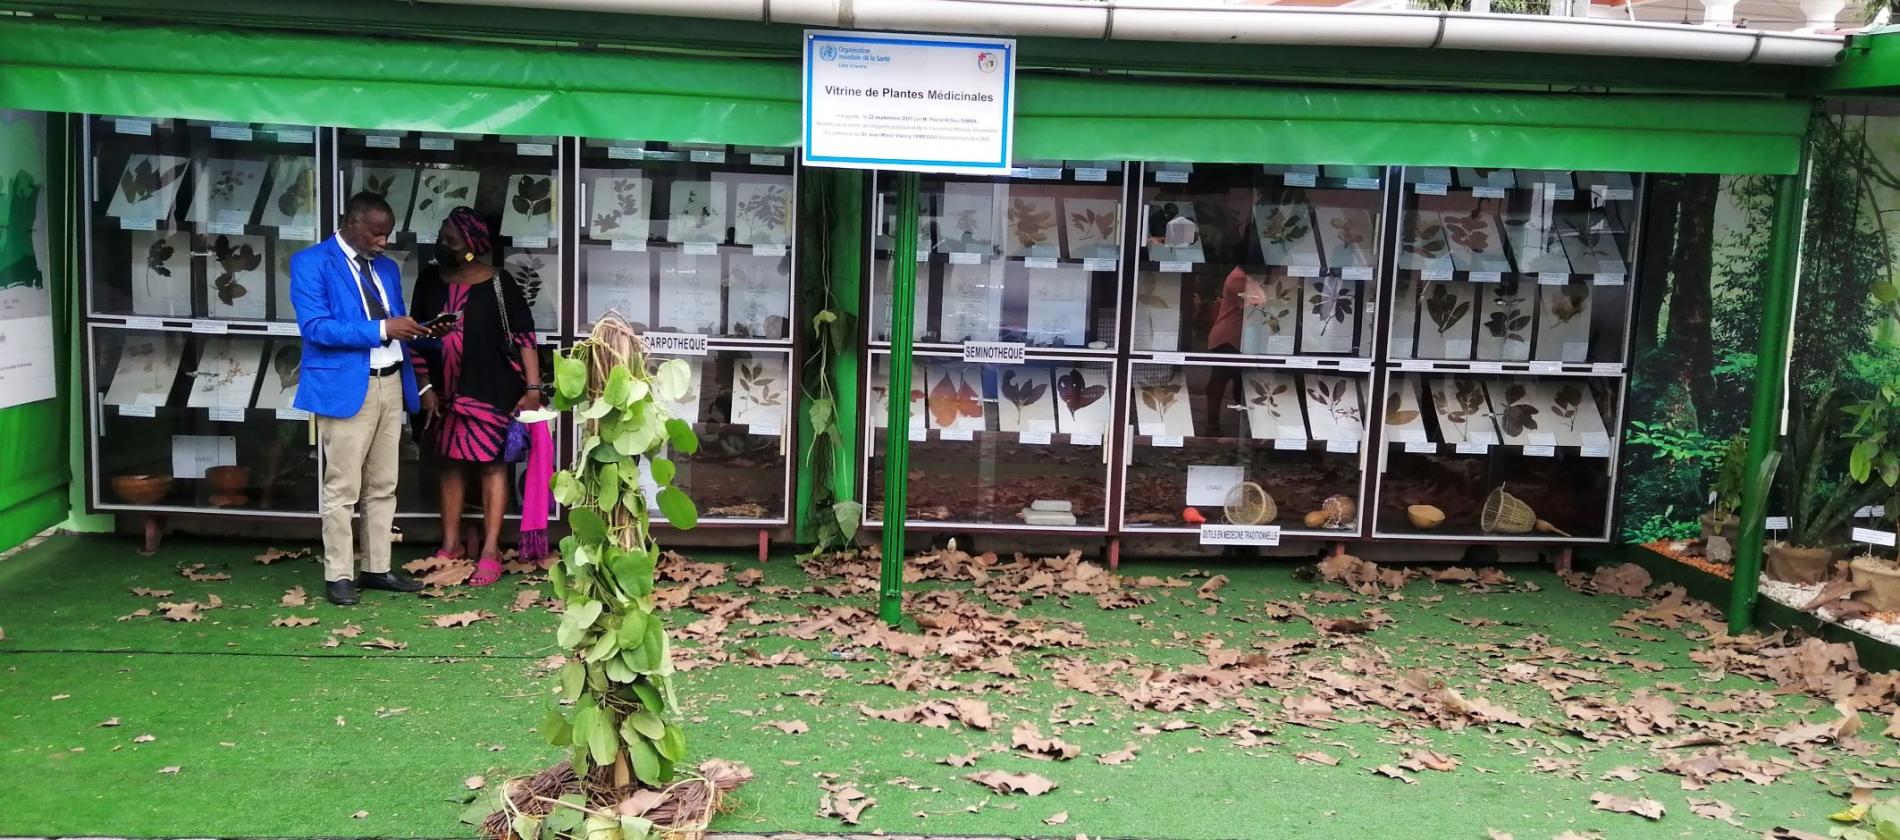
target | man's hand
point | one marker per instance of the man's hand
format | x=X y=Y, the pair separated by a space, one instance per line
x=431 y=408
x=402 y=328
x=441 y=328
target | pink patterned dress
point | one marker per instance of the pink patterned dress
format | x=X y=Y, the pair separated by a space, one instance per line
x=476 y=368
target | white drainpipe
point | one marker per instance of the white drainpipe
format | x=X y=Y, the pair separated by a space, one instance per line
x=1203 y=22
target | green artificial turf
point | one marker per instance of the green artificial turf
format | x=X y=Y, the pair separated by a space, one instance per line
x=276 y=736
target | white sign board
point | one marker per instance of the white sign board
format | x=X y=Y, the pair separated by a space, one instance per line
x=26 y=300
x=909 y=102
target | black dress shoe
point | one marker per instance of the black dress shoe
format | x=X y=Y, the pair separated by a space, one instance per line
x=341 y=592
x=388 y=582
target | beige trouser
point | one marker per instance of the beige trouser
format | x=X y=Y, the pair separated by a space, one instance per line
x=361 y=455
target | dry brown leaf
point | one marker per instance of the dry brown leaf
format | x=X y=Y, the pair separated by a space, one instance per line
x=170 y=771
x=1714 y=809
x=295 y=621
x=524 y=599
x=1390 y=771
x=1498 y=835
x=1850 y=723
x=1122 y=756
x=1318 y=757
x=151 y=593
x=109 y=722
x=136 y=614
x=789 y=727
x=1057 y=818
x=462 y=619
x=843 y=801
x=1429 y=760
x=195 y=572
x=380 y=643
x=475 y=782
x=960 y=760
x=1646 y=808
x=1028 y=738
x=1212 y=586
x=359 y=815
x=187 y=611
x=1031 y=784
x=749 y=577
x=295 y=597
x=274 y=554
x=974 y=713
x=144 y=739
x=640 y=802
x=349 y=631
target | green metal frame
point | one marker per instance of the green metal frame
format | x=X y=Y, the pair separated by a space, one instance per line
x=1771 y=371
x=890 y=600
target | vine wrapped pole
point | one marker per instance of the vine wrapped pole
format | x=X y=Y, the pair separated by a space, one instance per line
x=890 y=600
x=1771 y=380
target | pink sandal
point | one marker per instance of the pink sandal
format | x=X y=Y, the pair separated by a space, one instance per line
x=487 y=571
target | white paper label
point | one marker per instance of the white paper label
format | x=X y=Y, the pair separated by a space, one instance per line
x=1618 y=195
x=1869 y=535
x=1280 y=345
x=296 y=414
x=210 y=327
x=1356 y=365
x=1044 y=173
x=1088 y=173
x=1608 y=279
x=1208 y=485
x=1299 y=179
x=426 y=238
x=1458 y=347
x=1576 y=351
x=1240 y=535
x=436 y=144
x=626 y=153
x=1594 y=451
x=1039 y=262
x=923 y=255
x=1085 y=439
x=1541 y=438
x=225 y=414
x=1033 y=438
x=770 y=250
x=138 y=411
x=965 y=258
x=539 y=149
x=1607 y=368
x=1421 y=447
x=299 y=136
x=702 y=249
x=1547 y=367
x=139 y=323
x=1100 y=264
x=1302 y=271
x=1342 y=446
x=1541 y=451
x=193 y=454
x=1563 y=193
x=142 y=128
x=1177 y=267
x=1432 y=275
x=283 y=329
x=1304 y=363
x=138 y=224
x=1168 y=441
x=767 y=160
x=1414 y=364
x=530 y=242
x=1290 y=444
x=1487 y=277
x=1171 y=176
x=225 y=228
x=993 y=352
x=304 y=233
x=630 y=245
x=1487 y=192
x=955 y=434
x=1552 y=278
x=1362 y=183
x=1778 y=523
x=231 y=132
x=1361 y=272
x=1485 y=436
x=1170 y=358
x=1487 y=367
x=763 y=430
x=918 y=435
x=1871 y=512
x=1473 y=448
x=383 y=141
x=676 y=344
x=707 y=156
x=1429 y=189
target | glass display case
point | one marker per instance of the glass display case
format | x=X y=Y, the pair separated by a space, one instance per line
x=1032 y=260
x=694 y=242
x=1505 y=354
x=1250 y=362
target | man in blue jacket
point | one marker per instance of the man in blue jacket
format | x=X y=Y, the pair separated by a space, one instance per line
x=357 y=380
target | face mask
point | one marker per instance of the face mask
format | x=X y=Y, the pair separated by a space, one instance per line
x=446 y=256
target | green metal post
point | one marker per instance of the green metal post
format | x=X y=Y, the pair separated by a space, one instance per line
x=847 y=201
x=1771 y=368
x=897 y=431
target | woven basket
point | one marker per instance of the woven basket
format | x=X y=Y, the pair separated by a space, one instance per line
x=1249 y=504
x=1506 y=514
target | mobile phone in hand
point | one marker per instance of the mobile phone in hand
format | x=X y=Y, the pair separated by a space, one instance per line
x=442 y=319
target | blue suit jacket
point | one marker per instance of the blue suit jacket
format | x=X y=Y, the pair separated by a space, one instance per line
x=337 y=335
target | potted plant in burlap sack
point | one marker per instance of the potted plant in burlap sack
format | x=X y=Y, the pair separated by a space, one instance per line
x=1820 y=494
x=1875 y=462
x=1721 y=528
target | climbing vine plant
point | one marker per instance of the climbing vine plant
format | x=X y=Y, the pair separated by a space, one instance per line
x=831 y=331
x=618 y=677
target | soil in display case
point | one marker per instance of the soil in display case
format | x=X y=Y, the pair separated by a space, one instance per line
x=1567 y=490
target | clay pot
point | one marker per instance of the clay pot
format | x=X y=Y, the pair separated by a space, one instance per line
x=1882 y=579
x=229 y=485
x=1790 y=564
x=141 y=489
x=1425 y=517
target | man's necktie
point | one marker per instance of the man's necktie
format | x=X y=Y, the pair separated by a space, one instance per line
x=366 y=282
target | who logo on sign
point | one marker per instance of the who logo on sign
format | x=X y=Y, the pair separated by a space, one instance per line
x=827 y=53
